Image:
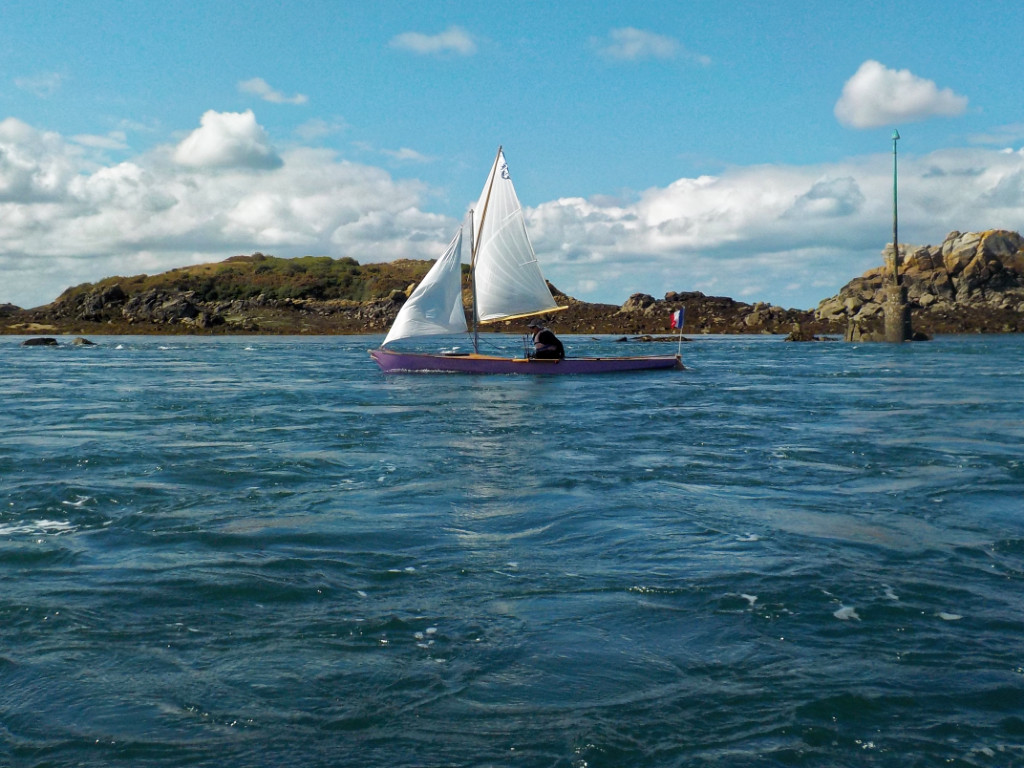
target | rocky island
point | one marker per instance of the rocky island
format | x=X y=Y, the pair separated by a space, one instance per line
x=319 y=295
x=972 y=282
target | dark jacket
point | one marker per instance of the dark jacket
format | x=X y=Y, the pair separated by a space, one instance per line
x=547 y=346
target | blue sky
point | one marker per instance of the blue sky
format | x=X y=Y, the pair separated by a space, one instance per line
x=738 y=149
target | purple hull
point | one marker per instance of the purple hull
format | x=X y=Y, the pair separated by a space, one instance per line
x=407 y=362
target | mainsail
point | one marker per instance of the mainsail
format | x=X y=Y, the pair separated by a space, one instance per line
x=435 y=307
x=508 y=279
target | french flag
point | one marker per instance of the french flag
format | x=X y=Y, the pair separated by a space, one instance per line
x=677 y=318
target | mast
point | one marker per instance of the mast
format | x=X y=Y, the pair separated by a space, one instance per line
x=487 y=200
x=472 y=283
x=473 y=247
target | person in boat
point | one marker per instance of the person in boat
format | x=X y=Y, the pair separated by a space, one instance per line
x=546 y=344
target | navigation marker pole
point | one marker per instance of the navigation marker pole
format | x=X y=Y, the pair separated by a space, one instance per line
x=895 y=229
x=897 y=311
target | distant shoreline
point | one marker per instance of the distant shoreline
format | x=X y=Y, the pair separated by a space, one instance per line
x=971 y=283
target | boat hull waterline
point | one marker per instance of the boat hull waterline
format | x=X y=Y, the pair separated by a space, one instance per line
x=409 y=362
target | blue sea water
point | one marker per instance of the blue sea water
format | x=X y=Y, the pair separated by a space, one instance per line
x=263 y=552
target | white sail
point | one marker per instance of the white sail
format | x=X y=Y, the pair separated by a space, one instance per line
x=435 y=307
x=509 y=282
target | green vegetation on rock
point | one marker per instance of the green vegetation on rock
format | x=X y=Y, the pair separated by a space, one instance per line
x=319 y=278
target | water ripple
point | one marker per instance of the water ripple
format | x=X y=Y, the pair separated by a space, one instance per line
x=262 y=551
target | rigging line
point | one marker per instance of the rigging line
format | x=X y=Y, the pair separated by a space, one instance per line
x=492 y=346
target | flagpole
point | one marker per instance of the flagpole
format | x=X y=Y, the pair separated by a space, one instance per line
x=681 y=314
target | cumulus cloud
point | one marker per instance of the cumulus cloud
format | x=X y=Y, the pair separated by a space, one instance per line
x=260 y=87
x=631 y=44
x=877 y=96
x=35 y=166
x=792 y=235
x=228 y=140
x=828 y=197
x=64 y=220
x=453 y=40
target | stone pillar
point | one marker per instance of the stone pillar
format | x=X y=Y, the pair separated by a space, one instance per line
x=897 y=314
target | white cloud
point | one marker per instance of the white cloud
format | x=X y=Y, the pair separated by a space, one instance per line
x=260 y=87
x=828 y=198
x=787 y=234
x=228 y=140
x=115 y=140
x=35 y=166
x=406 y=155
x=877 y=96
x=43 y=84
x=452 y=40
x=64 y=221
x=317 y=128
x=631 y=44
x=1000 y=135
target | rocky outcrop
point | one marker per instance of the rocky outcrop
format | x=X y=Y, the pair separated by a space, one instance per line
x=113 y=309
x=102 y=298
x=799 y=333
x=972 y=282
x=161 y=308
x=112 y=305
x=642 y=313
x=169 y=311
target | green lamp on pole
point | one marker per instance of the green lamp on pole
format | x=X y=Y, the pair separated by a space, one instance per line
x=895 y=231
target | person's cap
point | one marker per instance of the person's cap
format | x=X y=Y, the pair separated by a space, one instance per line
x=535 y=324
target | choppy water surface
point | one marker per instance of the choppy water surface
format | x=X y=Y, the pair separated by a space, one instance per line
x=262 y=552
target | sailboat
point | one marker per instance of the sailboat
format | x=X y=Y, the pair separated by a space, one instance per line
x=506 y=283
